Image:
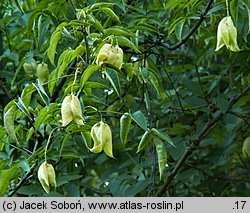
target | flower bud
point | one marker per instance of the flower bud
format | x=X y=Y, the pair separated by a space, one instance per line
x=46 y=176
x=71 y=110
x=102 y=136
x=30 y=68
x=246 y=147
x=227 y=35
x=110 y=55
x=42 y=72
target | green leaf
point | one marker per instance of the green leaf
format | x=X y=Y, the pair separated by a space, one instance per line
x=67 y=34
x=101 y=4
x=2 y=134
x=247 y=5
x=9 y=126
x=162 y=156
x=77 y=52
x=27 y=94
x=125 y=122
x=126 y=42
x=45 y=113
x=194 y=87
x=163 y=136
x=110 y=13
x=31 y=20
x=64 y=57
x=179 y=30
x=62 y=69
x=50 y=15
x=146 y=138
x=65 y=139
x=147 y=27
x=88 y=73
x=95 y=23
x=67 y=179
x=140 y=119
x=153 y=78
x=41 y=117
x=114 y=80
x=132 y=191
x=118 y=31
x=95 y=85
x=25 y=165
x=222 y=103
x=54 y=42
x=87 y=139
x=6 y=176
x=52 y=80
x=29 y=133
x=42 y=93
x=174 y=24
x=234 y=9
x=129 y=69
x=22 y=107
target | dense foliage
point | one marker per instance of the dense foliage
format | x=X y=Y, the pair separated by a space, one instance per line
x=178 y=110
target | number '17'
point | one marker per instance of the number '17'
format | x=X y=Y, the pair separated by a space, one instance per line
x=240 y=204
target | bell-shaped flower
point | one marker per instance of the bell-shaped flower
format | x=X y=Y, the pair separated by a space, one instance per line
x=46 y=176
x=42 y=72
x=227 y=35
x=30 y=68
x=110 y=55
x=71 y=110
x=102 y=136
x=246 y=147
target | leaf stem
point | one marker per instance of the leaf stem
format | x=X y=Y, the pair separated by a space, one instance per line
x=48 y=143
x=74 y=82
x=227 y=7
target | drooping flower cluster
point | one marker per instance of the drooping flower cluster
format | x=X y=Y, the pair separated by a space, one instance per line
x=40 y=70
x=102 y=136
x=110 y=55
x=227 y=35
x=43 y=72
x=30 y=68
x=71 y=110
x=47 y=176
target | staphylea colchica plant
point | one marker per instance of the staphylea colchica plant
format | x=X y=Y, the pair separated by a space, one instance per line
x=124 y=98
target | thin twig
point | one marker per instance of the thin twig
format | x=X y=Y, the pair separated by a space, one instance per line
x=176 y=92
x=199 y=79
x=191 y=32
x=87 y=46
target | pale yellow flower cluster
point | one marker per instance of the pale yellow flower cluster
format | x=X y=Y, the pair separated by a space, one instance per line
x=47 y=176
x=102 y=136
x=71 y=110
x=227 y=35
x=110 y=54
